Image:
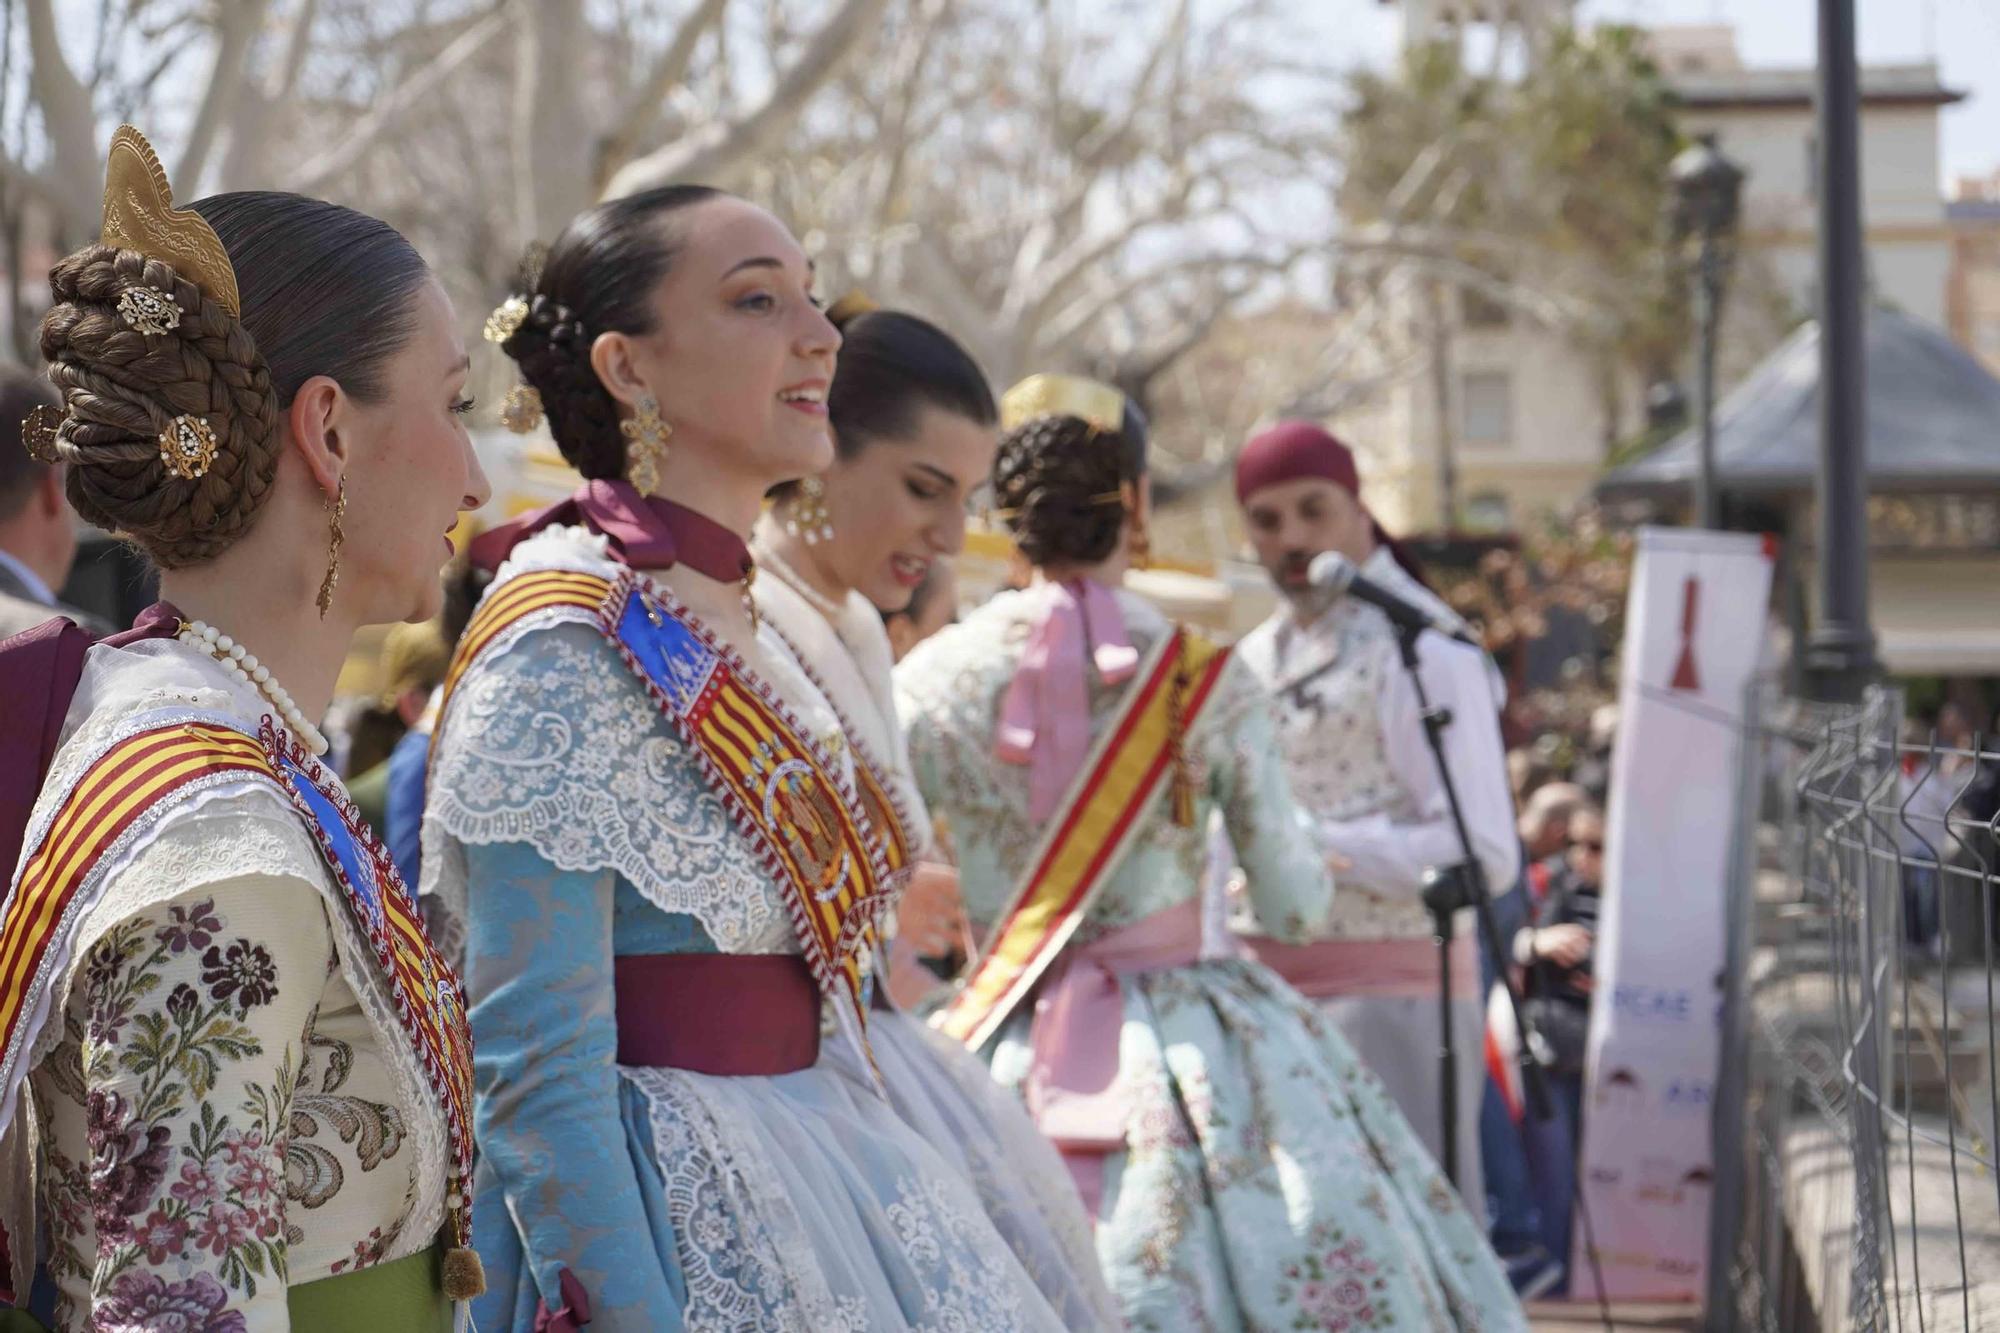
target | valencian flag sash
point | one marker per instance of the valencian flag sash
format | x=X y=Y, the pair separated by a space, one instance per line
x=1100 y=815
x=134 y=782
x=888 y=816
x=783 y=792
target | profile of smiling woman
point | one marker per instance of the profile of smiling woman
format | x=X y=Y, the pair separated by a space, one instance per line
x=670 y=894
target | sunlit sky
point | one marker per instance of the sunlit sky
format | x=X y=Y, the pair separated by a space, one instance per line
x=1963 y=36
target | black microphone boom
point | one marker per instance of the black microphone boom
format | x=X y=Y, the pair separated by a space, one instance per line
x=1337 y=574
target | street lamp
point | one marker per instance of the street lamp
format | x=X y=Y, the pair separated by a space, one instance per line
x=1708 y=189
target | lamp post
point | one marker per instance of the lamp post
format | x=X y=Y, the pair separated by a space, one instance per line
x=1708 y=190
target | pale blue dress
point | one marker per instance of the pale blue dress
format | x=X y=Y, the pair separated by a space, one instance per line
x=1267 y=1180
x=566 y=825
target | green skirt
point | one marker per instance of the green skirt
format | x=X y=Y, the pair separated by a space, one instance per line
x=388 y=1298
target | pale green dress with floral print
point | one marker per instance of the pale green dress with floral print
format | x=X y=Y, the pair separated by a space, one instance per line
x=1267 y=1180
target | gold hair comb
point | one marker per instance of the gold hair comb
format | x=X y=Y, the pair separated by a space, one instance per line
x=850 y=306
x=139 y=214
x=1062 y=396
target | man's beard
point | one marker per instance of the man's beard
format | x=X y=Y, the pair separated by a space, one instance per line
x=1289 y=576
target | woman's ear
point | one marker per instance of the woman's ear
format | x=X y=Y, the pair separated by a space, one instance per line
x=611 y=357
x=318 y=419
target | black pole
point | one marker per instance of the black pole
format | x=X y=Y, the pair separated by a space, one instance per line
x=1707 y=306
x=1840 y=654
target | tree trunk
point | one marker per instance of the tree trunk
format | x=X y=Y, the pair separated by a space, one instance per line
x=68 y=120
x=1438 y=331
x=237 y=25
x=552 y=133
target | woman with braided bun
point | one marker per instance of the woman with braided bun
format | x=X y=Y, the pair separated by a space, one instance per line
x=232 y=1066
x=914 y=427
x=671 y=887
x=1245 y=1171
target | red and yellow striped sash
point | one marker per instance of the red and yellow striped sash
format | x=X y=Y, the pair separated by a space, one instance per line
x=127 y=781
x=1098 y=821
x=512 y=601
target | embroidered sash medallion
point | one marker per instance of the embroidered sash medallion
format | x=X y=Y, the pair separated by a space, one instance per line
x=1099 y=816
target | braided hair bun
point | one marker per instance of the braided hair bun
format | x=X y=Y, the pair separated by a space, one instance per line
x=1058 y=479
x=324 y=290
x=598 y=277
x=124 y=390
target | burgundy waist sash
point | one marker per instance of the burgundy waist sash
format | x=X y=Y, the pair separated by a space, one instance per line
x=717 y=1013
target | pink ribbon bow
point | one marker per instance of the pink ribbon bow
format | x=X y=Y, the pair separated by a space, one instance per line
x=1045 y=718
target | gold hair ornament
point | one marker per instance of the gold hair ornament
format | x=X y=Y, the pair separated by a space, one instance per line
x=506 y=319
x=1100 y=405
x=187 y=447
x=139 y=214
x=1117 y=497
x=851 y=306
x=40 y=430
x=521 y=409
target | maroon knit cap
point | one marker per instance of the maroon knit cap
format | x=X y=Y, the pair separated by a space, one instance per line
x=1291 y=450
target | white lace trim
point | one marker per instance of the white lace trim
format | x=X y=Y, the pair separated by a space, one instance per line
x=749 y=1263
x=742 y=1248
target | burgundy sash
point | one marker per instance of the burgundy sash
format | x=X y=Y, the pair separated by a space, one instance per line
x=716 y=1013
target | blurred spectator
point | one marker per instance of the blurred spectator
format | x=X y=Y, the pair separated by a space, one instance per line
x=414 y=658
x=932 y=606
x=37 y=529
x=1557 y=949
x=1512 y=1207
x=1932 y=778
x=409 y=762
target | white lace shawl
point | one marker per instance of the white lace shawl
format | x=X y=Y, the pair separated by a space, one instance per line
x=227 y=831
x=853 y=663
x=549 y=740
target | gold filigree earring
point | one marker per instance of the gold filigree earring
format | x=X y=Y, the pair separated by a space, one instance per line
x=336 y=509
x=646 y=437
x=805 y=514
x=1138 y=541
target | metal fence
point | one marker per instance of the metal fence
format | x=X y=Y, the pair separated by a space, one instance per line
x=1856 y=1183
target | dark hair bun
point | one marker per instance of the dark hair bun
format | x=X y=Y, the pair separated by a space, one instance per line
x=124 y=389
x=1054 y=476
x=552 y=349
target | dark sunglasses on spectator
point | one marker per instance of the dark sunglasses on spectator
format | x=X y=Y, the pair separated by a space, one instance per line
x=1588 y=845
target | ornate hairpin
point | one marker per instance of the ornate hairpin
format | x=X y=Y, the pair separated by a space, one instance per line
x=149 y=310
x=506 y=319
x=521 y=409
x=1099 y=405
x=187 y=447
x=40 y=430
x=1121 y=496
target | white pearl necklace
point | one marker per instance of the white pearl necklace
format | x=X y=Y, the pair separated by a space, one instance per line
x=241 y=663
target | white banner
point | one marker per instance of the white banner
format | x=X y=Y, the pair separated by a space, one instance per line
x=1695 y=630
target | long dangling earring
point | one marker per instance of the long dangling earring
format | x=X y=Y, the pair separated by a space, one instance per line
x=646 y=438
x=336 y=509
x=805 y=514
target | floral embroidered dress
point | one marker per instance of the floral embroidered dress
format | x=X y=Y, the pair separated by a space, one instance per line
x=934 y=1082
x=574 y=831
x=1265 y=1180
x=221 y=1103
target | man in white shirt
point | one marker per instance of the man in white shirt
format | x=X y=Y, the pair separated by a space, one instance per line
x=37 y=530
x=1353 y=737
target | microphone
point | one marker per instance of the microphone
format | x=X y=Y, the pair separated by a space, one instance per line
x=1338 y=575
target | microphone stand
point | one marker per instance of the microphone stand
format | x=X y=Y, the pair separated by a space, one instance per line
x=1447 y=889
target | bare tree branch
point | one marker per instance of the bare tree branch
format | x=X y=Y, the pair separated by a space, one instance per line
x=262 y=104
x=641 y=111
x=319 y=172
x=718 y=147
x=236 y=25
